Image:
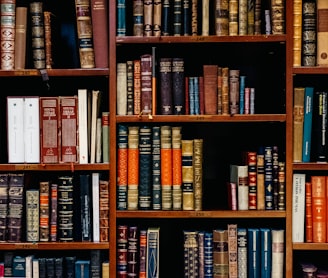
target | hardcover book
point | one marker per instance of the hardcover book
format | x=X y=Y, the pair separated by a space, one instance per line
x=121 y=18
x=47 y=16
x=95 y=263
x=307 y=125
x=138 y=18
x=232 y=250
x=186 y=18
x=105 y=136
x=129 y=86
x=177 y=18
x=122 y=251
x=142 y=253
x=191 y=252
x=278 y=253
x=95 y=193
x=148 y=18
x=165 y=69
x=137 y=86
x=222 y=18
x=297 y=33
x=309 y=33
x=176 y=168
x=20 y=37
x=178 y=86
x=201 y=249
x=82 y=268
x=234 y=91
x=266 y=252
x=132 y=255
x=194 y=17
x=152 y=259
x=156 y=168
x=233 y=17
x=242 y=248
x=166 y=166
x=260 y=179
x=146 y=84
x=252 y=180
x=157 y=18
x=44 y=189
x=242 y=17
x=298 y=123
x=220 y=253
x=268 y=177
x=254 y=252
x=53 y=211
x=250 y=17
x=188 y=190
x=322 y=30
x=122 y=167
x=121 y=89
x=198 y=173
x=208 y=254
x=210 y=73
x=104 y=210
x=278 y=17
x=4 y=184
x=308 y=212
x=32 y=215
x=83 y=138
x=205 y=17
x=85 y=201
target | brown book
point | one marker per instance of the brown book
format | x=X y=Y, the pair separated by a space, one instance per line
x=148 y=18
x=225 y=91
x=233 y=17
x=234 y=91
x=198 y=173
x=53 y=211
x=49 y=129
x=220 y=253
x=278 y=17
x=319 y=209
x=68 y=127
x=157 y=14
x=99 y=15
x=242 y=17
x=298 y=120
x=308 y=212
x=205 y=17
x=85 y=34
x=129 y=87
x=137 y=87
x=222 y=18
x=146 y=84
x=322 y=33
x=210 y=73
x=20 y=37
x=44 y=187
x=48 y=39
x=297 y=32
x=260 y=179
x=257 y=17
x=7 y=26
x=232 y=250
x=194 y=17
x=138 y=18
x=250 y=17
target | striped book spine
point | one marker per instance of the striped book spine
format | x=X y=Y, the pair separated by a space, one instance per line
x=190 y=253
x=198 y=173
x=268 y=177
x=166 y=166
x=201 y=241
x=208 y=255
x=122 y=167
x=122 y=250
x=142 y=252
x=4 y=179
x=188 y=194
x=275 y=176
x=7 y=26
x=242 y=252
x=252 y=183
x=44 y=210
x=176 y=168
x=132 y=255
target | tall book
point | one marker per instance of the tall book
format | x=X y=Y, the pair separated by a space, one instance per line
x=165 y=75
x=201 y=249
x=4 y=179
x=319 y=211
x=186 y=18
x=194 y=17
x=53 y=211
x=104 y=210
x=208 y=254
x=20 y=37
x=121 y=18
x=242 y=252
x=44 y=189
x=278 y=17
x=146 y=84
x=142 y=252
x=83 y=126
x=148 y=18
x=129 y=86
x=157 y=18
x=178 y=73
x=105 y=136
x=309 y=33
x=252 y=180
x=132 y=252
x=99 y=15
x=308 y=212
x=177 y=17
x=210 y=73
x=133 y=170
x=85 y=34
x=95 y=201
x=322 y=30
x=250 y=17
x=188 y=190
x=205 y=17
x=198 y=173
x=278 y=253
x=96 y=99
x=121 y=89
x=190 y=252
x=38 y=40
x=122 y=167
x=298 y=121
x=138 y=18
x=166 y=166
x=48 y=33
x=32 y=215
x=234 y=91
x=176 y=168
x=137 y=86
x=222 y=18
x=156 y=168
x=220 y=253
x=266 y=252
x=233 y=17
x=232 y=250
x=258 y=17
x=50 y=129
x=152 y=259
x=254 y=252
x=307 y=125
x=7 y=27
x=122 y=251
x=297 y=33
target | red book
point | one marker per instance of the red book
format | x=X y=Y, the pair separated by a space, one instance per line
x=210 y=73
x=122 y=251
x=252 y=180
x=49 y=125
x=146 y=84
x=68 y=118
x=319 y=210
x=308 y=212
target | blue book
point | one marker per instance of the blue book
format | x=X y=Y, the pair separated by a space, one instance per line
x=191 y=96
x=19 y=266
x=266 y=252
x=196 y=95
x=186 y=17
x=254 y=253
x=307 y=125
x=121 y=18
x=82 y=269
x=208 y=255
x=152 y=260
x=156 y=170
x=242 y=94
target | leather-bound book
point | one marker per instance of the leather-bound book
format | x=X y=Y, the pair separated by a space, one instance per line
x=165 y=76
x=178 y=86
x=148 y=18
x=7 y=28
x=138 y=18
x=309 y=33
x=222 y=18
x=210 y=73
x=146 y=84
x=322 y=31
x=20 y=37
x=157 y=18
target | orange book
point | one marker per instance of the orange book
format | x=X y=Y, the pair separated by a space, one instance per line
x=308 y=212
x=319 y=210
x=176 y=168
x=166 y=167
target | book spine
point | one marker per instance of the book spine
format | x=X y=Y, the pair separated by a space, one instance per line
x=98 y=139
x=257 y=17
x=146 y=84
x=266 y=252
x=205 y=17
x=260 y=179
x=176 y=168
x=308 y=212
x=32 y=215
x=122 y=251
x=275 y=176
x=122 y=167
x=242 y=19
x=145 y=168
x=7 y=27
x=220 y=253
x=278 y=247
x=166 y=19
x=82 y=268
x=307 y=126
x=156 y=168
x=186 y=17
x=201 y=249
x=250 y=17
x=95 y=202
x=105 y=136
x=222 y=18
x=99 y=16
x=242 y=252
x=137 y=86
x=133 y=172
x=233 y=17
x=166 y=166
x=198 y=173
x=132 y=249
x=252 y=180
x=20 y=37
x=59 y=267
x=157 y=15
x=208 y=254
x=142 y=253
x=104 y=210
x=138 y=18
x=165 y=68
x=210 y=73
x=84 y=34
x=129 y=87
x=234 y=91
x=121 y=89
x=297 y=33
x=85 y=201
x=148 y=18
x=242 y=81
x=191 y=253
x=48 y=39
x=83 y=125
x=254 y=251
x=3 y=206
x=121 y=18
x=178 y=86
x=44 y=187
x=298 y=121
x=225 y=91
x=194 y=17
x=152 y=259
x=177 y=17
x=232 y=250
x=282 y=186
x=53 y=211
x=278 y=17
x=268 y=177
x=201 y=95
x=196 y=92
x=322 y=31
x=242 y=187
x=188 y=190
x=186 y=93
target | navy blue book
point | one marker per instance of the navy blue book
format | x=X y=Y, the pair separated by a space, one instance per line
x=69 y=266
x=307 y=125
x=166 y=19
x=186 y=18
x=145 y=168
x=208 y=255
x=85 y=191
x=254 y=253
x=266 y=252
x=121 y=18
x=156 y=168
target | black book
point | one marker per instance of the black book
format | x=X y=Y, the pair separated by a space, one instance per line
x=69 y=266
x=95 y=263
x=3 y=206
x=165 y=75
x=178 y=86
x=166 y=11
x=309 y=33
x=177 y=17
x=50 y=266
x=59 y=267
x=85 y=200
x=186 y=17
x=42 y=268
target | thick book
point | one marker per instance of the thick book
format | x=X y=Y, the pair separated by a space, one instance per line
x=319 y=210
x=195 y=17
x=152 y=259
x=266 y=252
x=50 y=129
x=307 y=124
x=210 y=73
x=190 y=252
x=19 y=266
x=95 y=263
x=222 y=18
x=242 y=17
x=32 y=215
x=220 y=253
x=166 y=167
x=121 y=18
x=242 y=187
x=322 y=31
x=254 y=252
x=309 y=33
x=297 y=33
x=122 y=167
x=278 y=17
x=85 y=202
x=188 y=190
x=146 y=84
x=176 y=168
x=85 y=33
x=148 y=18
x=132 y=251
x=198 y=173
x=138 y=18
x=165 y=76
x=7 y=27
x=99 y=16
x=308 y=212
x=177 y=17
x=298 y=120
x=44 y=191
x=20 y=38
x=278 y=253
x=121 y=89
x=157 y=18
x=242 y=248
x=178 y=73
x=82 y=268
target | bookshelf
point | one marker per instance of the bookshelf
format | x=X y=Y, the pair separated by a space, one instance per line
x=225 y=136
x=64 y=78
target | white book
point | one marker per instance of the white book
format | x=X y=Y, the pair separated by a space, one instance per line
x=95 y=208
x=29 y=266
x=242 y=186
x=122 y=91
x=298 y=212
x=32 y=129
x=94 y=115
x=15 y=129
x=35 y=265
x=278 y=247
x=205 y=17
x=83 y=125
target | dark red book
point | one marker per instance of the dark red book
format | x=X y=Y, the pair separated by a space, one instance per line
x=210 y=73
x=146 y=84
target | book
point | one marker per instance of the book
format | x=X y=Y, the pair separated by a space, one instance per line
x=32 y=215
x=132 y=251
x=37 y=37
x=47 y=17
x=129 y=86
x=121 y=89
x=205 y=17
x=85 y=202
x=222 y=18
x=186 y=18
x=142 y=252
x=152 y=257
x=254 y=252
x=275 y=176
x=232 y=250
x=122 y=250
x=307 y=124
x=233 y=18
x=122 y=167
x=242 y=252
x=83 y=126
x=53 y=211
x=50 y=266
x=105 y=269
x=4 y=184
x=220 y=253
x=178 y=73
x=165 y=75
x=308 y=212
x=104 y=210
x=138 y=18
x=157 y=18
x=154 y=80
x=225 y=91
x=319 y=211
x=121 y=18
x=19 y=266
x=146 y=64
x=252 y=179
x=242 y=18
x=234 y=91
x=166 y=166
x=195 y=17
x=148 y=18
x=156 y=168
x=198 y=173
x=96 y=99
x=99 y=140
x=322 y=51
x=277 y=17
x=85 y=33
x=99 y=16
x=137 y=86
x=188 y=190
x=191 y=252
x=105 y=136
x=20 y=38
x=29 y=266
x=298 y=122
x=82 y=268
x=177 y=18
x=282 y=186
x=44 y=191
x=95 y=191
x=268 y=177
x=266 y=252
x=309 y=33
x=210 y=73
x=8 y=32
x=201 y=250
x=242 y=187
x=250 y=17
x=176 y=168
x=50 y=129
x=95 y=263
x=208 y=254
x=59 y=266
x=35 y=267
x=278 y=253
x=257 y=17
x=69 y=128
x=297 y=33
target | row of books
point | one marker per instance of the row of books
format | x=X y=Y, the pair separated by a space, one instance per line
x=32 y=266
x=90 y=26
x=138 y=251
x=192 y=17
x=219 y=90
x=69 y=208
x=157 y=169
x=310 y=208
x=44 y=129
x=259 y=183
